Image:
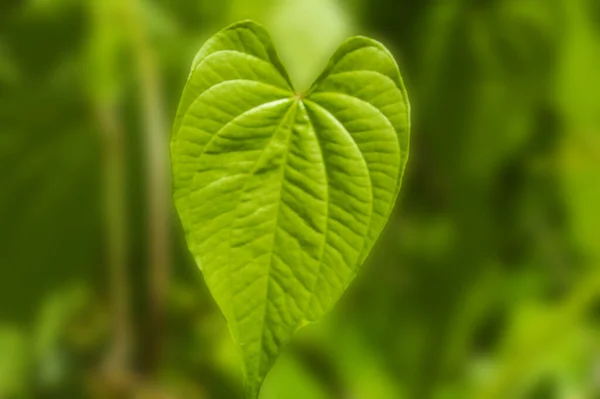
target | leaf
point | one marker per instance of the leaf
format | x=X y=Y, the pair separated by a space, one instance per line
x=282 y=194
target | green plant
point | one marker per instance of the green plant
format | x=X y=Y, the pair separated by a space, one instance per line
x=282 y=194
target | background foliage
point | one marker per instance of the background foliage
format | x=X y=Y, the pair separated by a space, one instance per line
x=486 y=283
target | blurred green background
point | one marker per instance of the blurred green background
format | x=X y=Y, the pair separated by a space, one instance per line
x=485 y=285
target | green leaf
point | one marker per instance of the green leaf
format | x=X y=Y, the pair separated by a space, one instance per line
x=283 y=194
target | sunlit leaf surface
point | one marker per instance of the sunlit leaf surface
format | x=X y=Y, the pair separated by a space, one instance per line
x=283 y=194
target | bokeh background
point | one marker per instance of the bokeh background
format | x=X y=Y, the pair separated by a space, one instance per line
x=485 y=285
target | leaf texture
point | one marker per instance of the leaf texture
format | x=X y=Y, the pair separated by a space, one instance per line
x=282 y=194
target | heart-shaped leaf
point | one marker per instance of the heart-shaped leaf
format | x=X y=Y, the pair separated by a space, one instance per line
x=283 y=194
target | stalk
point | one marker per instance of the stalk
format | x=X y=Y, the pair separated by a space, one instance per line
x=157 y=179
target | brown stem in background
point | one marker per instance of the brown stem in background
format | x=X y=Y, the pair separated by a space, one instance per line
x=118 y=358
x=104 y=100
x=158 y=182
